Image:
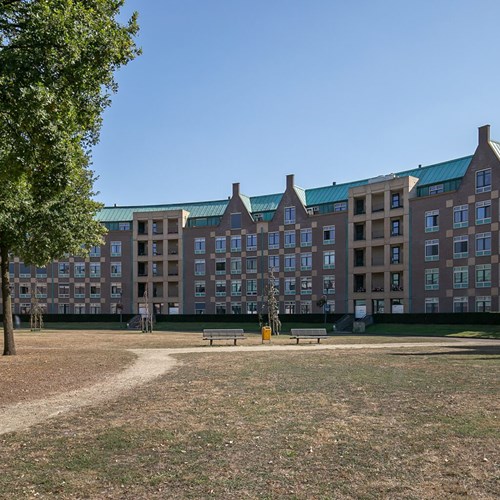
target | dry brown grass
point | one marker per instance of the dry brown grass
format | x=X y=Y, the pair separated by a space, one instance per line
x=392 y=423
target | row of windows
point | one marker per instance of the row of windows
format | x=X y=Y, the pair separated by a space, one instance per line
x=64 y=291
x=63 y=270
x=287 y=307
x=460 y=216
x=460 y=304
x=25 y=308
x=460 y=247
x=290 y=261
x=482 y=273
x=235 y=287
x=273 y=240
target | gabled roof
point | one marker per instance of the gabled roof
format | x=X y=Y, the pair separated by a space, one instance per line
x=432 y=174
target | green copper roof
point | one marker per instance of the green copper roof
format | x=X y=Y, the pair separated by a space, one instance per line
x=432 y=174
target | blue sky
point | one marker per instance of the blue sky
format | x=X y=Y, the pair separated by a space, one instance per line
x=251 y=90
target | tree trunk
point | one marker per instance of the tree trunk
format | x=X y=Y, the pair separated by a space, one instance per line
x=9 y=347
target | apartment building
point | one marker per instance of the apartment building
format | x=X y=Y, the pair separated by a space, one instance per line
x=419 y=240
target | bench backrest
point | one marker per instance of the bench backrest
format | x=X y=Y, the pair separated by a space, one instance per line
x=223 y=332
x=313 y=332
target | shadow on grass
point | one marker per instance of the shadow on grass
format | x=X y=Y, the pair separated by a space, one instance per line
x=485 y=350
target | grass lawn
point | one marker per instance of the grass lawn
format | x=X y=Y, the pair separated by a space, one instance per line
x=417 y=423
x=471 y=331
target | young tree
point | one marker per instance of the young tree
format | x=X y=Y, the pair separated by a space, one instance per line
x=57 y=64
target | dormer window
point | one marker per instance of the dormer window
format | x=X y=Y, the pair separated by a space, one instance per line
x=236 y=220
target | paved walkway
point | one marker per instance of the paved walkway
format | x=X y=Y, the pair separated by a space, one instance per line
x=151 y=363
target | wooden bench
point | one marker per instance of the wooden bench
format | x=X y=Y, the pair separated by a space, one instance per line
x=223 y=334
x=308 y=333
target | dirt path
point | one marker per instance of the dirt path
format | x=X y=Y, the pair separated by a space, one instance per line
x=151 y=363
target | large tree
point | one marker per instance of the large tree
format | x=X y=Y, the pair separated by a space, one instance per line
x=57 y=65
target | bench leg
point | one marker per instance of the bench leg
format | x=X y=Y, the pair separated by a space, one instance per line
x=211 y=340
x=297 y=341
x=318 y=340
x=234 y=341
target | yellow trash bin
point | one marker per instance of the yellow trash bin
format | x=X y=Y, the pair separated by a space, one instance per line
x=266 y=333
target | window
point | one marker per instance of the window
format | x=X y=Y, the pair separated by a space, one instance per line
x=63 y=291
x=395 y=227
x=116 y=290
x=306 y=285
x=289 y=215
x=290 y=288
x=436 y=189
x=63 y=270
x=95 y=308
x=236 y=221
x=251 y=264
x=199 y=267
x=199 y=307
x=95 y=270
x=483 y=212
x=41 y=272
x=251 y=242
x=235 y=243
x=328 y=235
x=252 y=287
x=220 y=244
x=220 y=266
x=79 y=308
x=24 y=292
x=431 y=221
x=395 y=255
x=24 y=270
x=220 y=308
x=95 y=252
x=483 y=276
x=483 y=181
x=236 y=288
x=460 y=216
x=359 y=206
x=483 y=244
x=236 y=308
x=276 y=284
x=305 y=307
x=328 y=285
x=289 y=307
x=95 y=291
x=199 y=245
x=273 y=240
x=199 y=289
x=395 y=200
x=460 y=247
x=432 y=279
x=431 y=250
x=79 y=269
x=396 y=282
x=289 y=262
x=124 y=226
x=329 y=259
x=290 y=239
x=306 y=237
x=63 y=308
x=483 y=304
x=220 y=288
x=251 y=307
x=116 y=269
x=79 y=291
x=460 y=277
x=305 y=261
x=460 y=304
x=432 y=305
x=236 y=265
x=274 y=262
x=341 y=206
x=116 y=249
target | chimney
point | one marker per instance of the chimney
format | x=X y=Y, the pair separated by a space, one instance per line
x=289 y=181
x=236 y=189
x=484 y=134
